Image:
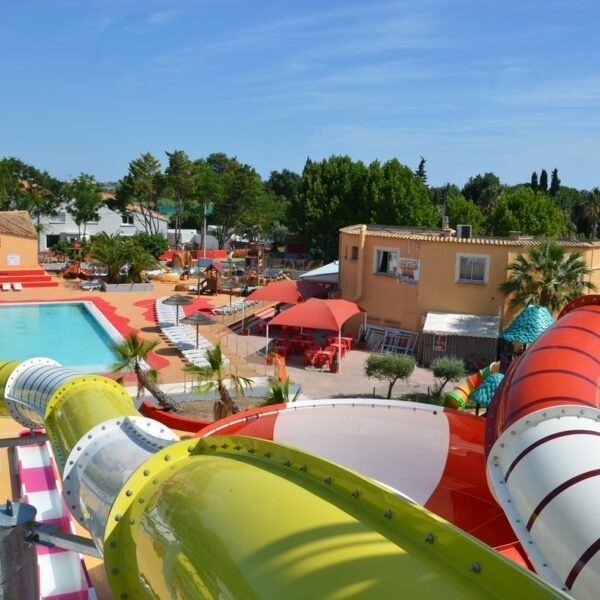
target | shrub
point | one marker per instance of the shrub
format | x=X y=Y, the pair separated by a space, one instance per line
x=155 y=244
x=447 y=368
x=389 y=367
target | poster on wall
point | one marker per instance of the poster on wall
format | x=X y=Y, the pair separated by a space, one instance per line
x=13 y=260
x=407 y=270
x=439 y=343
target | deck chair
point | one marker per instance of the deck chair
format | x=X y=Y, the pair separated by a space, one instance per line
x=6 y=287
x=17 y=286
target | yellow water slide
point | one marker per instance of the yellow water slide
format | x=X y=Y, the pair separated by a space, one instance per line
x=237 y=517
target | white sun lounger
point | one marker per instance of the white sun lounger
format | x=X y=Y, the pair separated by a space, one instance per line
x=6 y=287
x=17 y=286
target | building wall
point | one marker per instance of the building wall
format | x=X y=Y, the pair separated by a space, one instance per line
x=109 y=221
x=405 y=306
x=23 y=248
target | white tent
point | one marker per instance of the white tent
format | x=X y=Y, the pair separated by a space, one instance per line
x=326 y=274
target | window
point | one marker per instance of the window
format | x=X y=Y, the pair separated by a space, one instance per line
x=472 y=268
x=127 y=220
x=58 y=218
x=386 y=262
x=354 y=255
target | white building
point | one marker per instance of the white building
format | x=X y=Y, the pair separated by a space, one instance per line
x=62 y=227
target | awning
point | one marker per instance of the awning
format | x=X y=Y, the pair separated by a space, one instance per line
x=481 y=326
x=326 y=274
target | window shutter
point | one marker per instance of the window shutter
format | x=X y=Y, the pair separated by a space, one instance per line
x=465 y=269
x=478 y=269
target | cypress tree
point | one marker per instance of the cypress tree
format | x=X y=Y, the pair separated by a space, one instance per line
x=535 y=186
x=421 y=173
x=554 y=182
x=544 y=181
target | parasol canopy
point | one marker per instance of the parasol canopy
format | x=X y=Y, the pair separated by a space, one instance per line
x=318 y=314
x=177 y=300
x=198 y=318
x=287 y=291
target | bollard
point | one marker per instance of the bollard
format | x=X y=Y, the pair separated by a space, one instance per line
x=18 y=560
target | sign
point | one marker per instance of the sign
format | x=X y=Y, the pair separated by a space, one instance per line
x=407 y=270
x=13 y=260
x=439 y=343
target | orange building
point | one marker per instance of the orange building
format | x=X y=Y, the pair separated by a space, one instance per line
x=399 y=275
x=18 y=241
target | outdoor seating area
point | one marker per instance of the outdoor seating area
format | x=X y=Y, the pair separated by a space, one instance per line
x=182 y=336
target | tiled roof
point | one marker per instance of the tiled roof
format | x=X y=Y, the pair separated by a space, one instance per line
x=485 y=392
x=528 y=325
x=435 y=235
x=17 y=223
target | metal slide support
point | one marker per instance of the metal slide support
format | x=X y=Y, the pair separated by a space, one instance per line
x=18 y=560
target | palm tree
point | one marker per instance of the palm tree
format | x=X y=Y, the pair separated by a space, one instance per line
x=213 y=378
x=116 y=251
x=548 y=276
x=132 y=355
x=591 y=209
x=279 y=393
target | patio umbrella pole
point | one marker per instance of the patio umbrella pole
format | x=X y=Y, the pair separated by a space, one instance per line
x=340 y=350
x=267 y=343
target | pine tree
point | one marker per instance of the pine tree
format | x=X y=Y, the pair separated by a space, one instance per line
x=554 y=182
x=535 y=186
x=544 y=181
x=421 y=173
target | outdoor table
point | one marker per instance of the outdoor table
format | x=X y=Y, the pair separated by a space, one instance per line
x=309 y=353
x=282 y=347
x=323 y=357
x=333 y=340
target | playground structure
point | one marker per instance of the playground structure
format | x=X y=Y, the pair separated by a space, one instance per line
x=270 y=503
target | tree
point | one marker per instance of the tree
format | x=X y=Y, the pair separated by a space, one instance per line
x=421 y=173
x=591 y=209
x=524 y=210
x=547 y=276
x=484 y=190
x=461 y=210
x=154 y=244
x=132 y=354
x=554 y=182
x=390 y=368
x=23 y=187
x=115 y=251
x=447 y=368
x=84 y=201
x=213 y=378
x=142 y=186
x=544 y=181
x=179 y=181
x=535 y=184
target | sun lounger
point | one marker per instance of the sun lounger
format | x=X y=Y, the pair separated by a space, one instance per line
x=17 y=286
x=6 y=287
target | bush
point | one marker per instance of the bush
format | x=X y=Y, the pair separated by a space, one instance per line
x=155 y=244
x=447 y=368
x=389 y=367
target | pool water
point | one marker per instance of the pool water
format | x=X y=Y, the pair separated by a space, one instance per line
x=65 y=332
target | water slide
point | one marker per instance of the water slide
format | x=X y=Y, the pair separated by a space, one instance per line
x=62 y=574
x=232 y=516
x=543 y=449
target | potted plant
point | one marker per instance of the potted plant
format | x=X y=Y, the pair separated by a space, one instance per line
x=271 y=357
x=246 y=326
x=334 y=367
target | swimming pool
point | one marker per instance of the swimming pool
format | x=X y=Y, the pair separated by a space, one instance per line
x=76 y=334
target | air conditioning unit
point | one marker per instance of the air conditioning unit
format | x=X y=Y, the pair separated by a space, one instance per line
x=464 y=232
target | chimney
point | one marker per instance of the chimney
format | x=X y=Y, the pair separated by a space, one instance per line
x=446 y=230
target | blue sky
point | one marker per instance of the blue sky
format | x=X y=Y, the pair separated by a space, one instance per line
x=472 y=85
